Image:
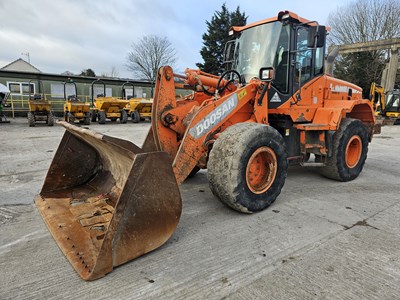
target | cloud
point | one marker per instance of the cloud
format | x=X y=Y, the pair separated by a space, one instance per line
x=78 y=34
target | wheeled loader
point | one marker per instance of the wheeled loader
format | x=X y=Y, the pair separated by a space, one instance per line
x=104 y=107
x=75 y=109
x=110 y=201
x=39 y=107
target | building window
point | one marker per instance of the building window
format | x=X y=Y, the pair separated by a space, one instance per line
x=23 y=88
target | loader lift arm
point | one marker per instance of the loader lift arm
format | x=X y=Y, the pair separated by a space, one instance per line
x=188 y=140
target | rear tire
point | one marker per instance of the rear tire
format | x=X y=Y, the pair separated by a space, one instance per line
x=31 y=119
x=94 y=116
x=247 y=166
x=71 y=118
x=86 y=119
x=50 y=119
x=135 y=116
x=102 y=117
x=124 y=117
x=350 y=148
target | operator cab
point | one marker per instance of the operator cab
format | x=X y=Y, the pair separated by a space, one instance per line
x=293 y=46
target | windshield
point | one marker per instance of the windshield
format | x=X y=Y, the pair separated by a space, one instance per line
x=392 y=102
x=263 y=46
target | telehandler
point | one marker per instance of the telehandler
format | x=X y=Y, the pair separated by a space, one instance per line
x=109 y=201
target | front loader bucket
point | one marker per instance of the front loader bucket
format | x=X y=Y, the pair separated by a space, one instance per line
x=106 y=201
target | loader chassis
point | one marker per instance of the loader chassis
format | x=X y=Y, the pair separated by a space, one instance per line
x=275 y=106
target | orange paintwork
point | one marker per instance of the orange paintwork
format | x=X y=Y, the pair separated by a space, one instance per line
x=187 y=127
x=324 y=101
x=273 y=19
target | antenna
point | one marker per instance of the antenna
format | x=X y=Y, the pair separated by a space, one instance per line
x=27 y=55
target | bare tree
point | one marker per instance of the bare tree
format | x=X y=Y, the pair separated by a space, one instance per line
x=112 y=74
x=363 y=21
x=148 y=55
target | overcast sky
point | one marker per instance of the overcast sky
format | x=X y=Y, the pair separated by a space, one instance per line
x=73 y=35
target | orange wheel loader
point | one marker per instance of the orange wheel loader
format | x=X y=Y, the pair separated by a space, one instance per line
x=109 y=201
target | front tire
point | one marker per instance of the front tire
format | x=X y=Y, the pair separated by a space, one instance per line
x=350 y=148
x=124 y=117
x=135 y=116
x=50 y=119
x=31 y=119
x=102 y=117
x=247 y=166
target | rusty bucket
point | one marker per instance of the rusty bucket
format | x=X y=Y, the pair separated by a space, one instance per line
x=106 y=201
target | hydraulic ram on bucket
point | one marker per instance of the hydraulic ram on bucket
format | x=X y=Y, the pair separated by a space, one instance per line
x=106 y=201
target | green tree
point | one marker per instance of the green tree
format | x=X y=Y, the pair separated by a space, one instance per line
x=215 y=38
x=88 y=73
x=363 y=21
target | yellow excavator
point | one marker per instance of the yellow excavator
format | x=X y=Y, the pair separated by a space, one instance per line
x=386 y=104
x=107 y=201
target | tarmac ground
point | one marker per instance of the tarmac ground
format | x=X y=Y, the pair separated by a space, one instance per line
x=321 y=239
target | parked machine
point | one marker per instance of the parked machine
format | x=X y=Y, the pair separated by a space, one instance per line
x=386 y=104
x=377 y=98
x=39 y=107
x=75 y=108
x=109 y=201
x=4 y=93
x=392 y=109
x=107 y=107
x=137 y=108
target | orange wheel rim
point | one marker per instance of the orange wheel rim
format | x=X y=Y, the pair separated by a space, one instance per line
x=353 y=151
x=261 y=170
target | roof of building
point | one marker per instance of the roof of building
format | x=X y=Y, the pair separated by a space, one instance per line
x=20 y=65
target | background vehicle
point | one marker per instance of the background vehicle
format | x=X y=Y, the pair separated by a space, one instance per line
x=74 y=108
x=392 y=109
x=4 y=93
x=245 y=126
x=107 y=107
x=137 y=108
x=386 y=104
x=39 y=107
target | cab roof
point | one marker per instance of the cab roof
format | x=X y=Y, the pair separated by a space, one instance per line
x=289 y=14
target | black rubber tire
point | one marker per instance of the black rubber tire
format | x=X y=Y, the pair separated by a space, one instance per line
x=124 y=117
x=135 y=116
x=31 y=119
x=336 y=166
x=71 y=118
x=86 y=119
x=50 y=119
x=93 y=116
x=102 y=117
x=66 y=116
x=228 y=161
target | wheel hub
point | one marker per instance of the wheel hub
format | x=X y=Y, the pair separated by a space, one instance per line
x=353 y=151
x=261 y=170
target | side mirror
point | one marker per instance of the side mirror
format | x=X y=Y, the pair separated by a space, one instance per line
x=267 y=74
x=316 y=36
